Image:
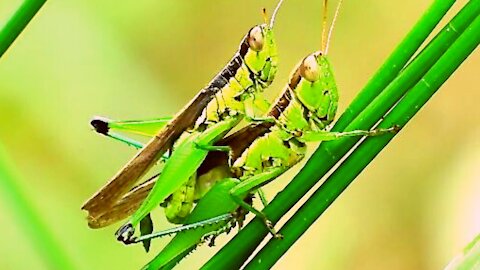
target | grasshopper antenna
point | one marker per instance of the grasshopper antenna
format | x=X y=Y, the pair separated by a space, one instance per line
x=324 y=26
x=274 y=14
x=330 y=31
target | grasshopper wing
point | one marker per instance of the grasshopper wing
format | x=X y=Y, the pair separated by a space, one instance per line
x=120 y=184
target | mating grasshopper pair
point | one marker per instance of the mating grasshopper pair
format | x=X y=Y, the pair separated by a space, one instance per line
x=198 y=169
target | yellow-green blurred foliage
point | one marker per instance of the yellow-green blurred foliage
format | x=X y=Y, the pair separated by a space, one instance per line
x=414 y=207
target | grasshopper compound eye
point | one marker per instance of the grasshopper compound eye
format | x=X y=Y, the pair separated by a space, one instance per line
x=309 y=68
x=255 y=38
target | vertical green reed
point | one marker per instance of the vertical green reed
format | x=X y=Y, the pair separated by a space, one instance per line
x=18 y=22
x=11 y=192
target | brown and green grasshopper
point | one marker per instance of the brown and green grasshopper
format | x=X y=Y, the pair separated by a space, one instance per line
x=220 y=106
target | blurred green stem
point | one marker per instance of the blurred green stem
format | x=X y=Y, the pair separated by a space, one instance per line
x=18 y=22
x=395 y=62
x=28 y=218
x=369 y=107
x=468 y=259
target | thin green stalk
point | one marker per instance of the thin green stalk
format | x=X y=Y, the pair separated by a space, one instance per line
x=396 y=61
x=28 y=218
x=403 y=112
x=18 y=22
x=239 y=249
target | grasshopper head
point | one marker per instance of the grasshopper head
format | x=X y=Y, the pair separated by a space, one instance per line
x=260 y=52
x=314 y=86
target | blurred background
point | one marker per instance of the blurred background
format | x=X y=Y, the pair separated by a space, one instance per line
x=414 y=207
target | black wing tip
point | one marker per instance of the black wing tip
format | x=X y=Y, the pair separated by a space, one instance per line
x=100 y=124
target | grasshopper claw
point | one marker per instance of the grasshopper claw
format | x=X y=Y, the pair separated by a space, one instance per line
x=396 y=129
x=125 y=234
x=272 y=230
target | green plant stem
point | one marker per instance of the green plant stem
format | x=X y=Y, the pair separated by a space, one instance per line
x=239 y=249
x=395 y=62
x=411 y=103
x=468 y=259
x=28 y=218
x=18 y=22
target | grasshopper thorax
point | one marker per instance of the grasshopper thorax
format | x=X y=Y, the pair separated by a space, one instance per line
x=313 y=85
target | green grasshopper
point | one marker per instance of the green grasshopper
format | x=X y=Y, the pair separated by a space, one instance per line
x=301 y=114
x=208 y=117
x=218 y=118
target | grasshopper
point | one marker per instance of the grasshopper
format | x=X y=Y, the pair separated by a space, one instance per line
x=208 y=117
x=301 y=114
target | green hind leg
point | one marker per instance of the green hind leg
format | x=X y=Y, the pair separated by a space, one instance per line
x=146 y=128
x=179 y=205
x=183 y=228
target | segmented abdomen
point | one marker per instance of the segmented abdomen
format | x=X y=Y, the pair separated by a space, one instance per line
x=270 y=150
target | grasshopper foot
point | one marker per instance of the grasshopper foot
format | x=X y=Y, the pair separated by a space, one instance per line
x=125 y=234
x=272 y=230
x=380 y=131
x=396 y=129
